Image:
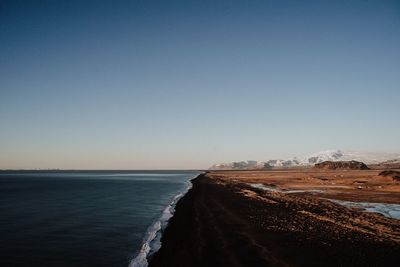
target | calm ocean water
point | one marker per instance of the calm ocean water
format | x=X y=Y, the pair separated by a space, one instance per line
x=85 y=218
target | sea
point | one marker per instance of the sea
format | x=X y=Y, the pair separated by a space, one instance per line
x=86 y=218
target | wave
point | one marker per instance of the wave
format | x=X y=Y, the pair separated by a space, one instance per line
x=152 y=240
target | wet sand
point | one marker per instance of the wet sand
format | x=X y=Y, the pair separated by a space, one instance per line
x=224 y=221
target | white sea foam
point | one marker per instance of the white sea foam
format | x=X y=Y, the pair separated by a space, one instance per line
x=152 y=240
x=141 y=258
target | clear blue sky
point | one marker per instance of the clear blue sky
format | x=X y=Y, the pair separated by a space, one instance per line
x=185 y=84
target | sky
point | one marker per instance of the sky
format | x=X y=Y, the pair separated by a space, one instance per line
x=148 y=84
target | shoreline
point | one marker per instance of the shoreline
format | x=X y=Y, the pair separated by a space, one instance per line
x=152 y=240
x=225 y=222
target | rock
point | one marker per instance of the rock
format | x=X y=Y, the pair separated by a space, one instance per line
x=395 y=175
x=341 y=165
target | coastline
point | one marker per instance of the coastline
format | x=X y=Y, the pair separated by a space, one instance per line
x=221 y=222
x=152 y=240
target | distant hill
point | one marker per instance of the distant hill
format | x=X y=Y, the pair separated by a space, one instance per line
x=395 y=175
x=388 y=164
x=341 y=165
x=310 y=160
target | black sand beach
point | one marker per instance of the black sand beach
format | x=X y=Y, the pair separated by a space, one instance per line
x=223 y=222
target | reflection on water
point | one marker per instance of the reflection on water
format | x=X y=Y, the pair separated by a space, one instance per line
x=388 y=210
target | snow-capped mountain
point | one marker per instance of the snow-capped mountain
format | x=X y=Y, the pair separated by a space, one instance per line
x=310 y=160
x=338 y=155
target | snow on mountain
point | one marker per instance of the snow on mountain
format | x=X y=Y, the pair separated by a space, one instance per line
x=310 y=160
x=337 y=155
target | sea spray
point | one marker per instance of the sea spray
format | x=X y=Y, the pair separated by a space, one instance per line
x=152 y=240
